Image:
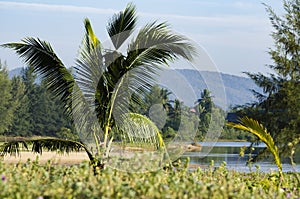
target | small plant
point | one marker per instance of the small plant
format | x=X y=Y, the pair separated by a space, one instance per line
x=250 y=159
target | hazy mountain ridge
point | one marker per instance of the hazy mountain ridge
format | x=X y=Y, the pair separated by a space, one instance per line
x=237 y=89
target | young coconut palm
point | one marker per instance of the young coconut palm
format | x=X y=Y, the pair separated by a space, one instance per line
x=96 y=96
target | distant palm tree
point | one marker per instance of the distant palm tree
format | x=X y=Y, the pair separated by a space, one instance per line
x=205 y=102
x=95 y=95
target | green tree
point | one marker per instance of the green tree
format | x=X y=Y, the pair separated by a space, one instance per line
x=21 y=120
x=46 y=113
x=278 y=108
x=204 y=109
x=6 y=105
x=104 y=77
x=36 y=112
x=175 y=114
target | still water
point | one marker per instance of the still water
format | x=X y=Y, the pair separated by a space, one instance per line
x=228 y=152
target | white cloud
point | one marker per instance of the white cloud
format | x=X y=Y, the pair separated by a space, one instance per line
x=55 y=7
x=244 y=5
x=226 y=20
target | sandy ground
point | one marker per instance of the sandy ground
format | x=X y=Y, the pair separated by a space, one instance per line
x=68 y=159
x=74 y=157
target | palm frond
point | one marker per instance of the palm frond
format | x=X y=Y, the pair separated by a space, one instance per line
x=89 y=67
x=137 y=128
x=40 y=55
x=157 y=44
x=153 y=47
x=40 y=144
x=121 y=25
x=254 y=127
x=13 y=147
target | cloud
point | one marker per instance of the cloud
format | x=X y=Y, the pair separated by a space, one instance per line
x=225 y=20
x=55 y=7
x=231 y=20
x=244 y=5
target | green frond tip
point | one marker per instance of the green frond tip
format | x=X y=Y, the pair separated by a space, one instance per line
x=121 y=25
x=139 y=128
x=257 y=129
x=90 y=32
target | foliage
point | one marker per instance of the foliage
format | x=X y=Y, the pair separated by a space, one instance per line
x=278 y=106
x=171 y=116
x=33 y=180
x=236 y=134
x=211 y=117
x=36 y=112
x=38 y=144
x=254 y=127
x=66 y=133
x=21 y=117
x=7 y=106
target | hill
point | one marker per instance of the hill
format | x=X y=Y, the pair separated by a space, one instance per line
x=187 y=85
x=227 y=90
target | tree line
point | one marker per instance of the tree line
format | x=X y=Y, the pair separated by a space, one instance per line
x=28 y=109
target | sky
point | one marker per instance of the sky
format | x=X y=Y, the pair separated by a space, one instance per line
x=234 y=33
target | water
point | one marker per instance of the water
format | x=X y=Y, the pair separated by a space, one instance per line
x=228 y=152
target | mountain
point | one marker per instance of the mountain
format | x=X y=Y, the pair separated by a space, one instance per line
x=227 y=90
x=187 y=85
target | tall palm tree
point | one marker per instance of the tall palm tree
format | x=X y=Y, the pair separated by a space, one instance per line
x=96 y=94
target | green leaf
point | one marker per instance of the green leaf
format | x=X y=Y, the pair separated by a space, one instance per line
x=121 y=25
x=254 y=127
x=40 y=55
x=39 y=144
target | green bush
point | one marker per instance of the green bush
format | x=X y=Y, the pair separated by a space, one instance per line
x=34 y=180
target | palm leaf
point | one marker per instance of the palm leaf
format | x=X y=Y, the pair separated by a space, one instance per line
x=156 y=44
x=60 y=82
x=136 y=73
x=13 y=147
x=40 y=144
x=138 y=128
x=88 y=72
x=121 y=25
x=40 y=55
x=254 y=127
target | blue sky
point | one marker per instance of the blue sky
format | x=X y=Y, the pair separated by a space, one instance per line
x=235 y=33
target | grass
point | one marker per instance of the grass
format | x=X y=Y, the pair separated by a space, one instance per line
x=34 y=180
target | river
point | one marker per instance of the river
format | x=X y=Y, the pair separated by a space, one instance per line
x=228 y=152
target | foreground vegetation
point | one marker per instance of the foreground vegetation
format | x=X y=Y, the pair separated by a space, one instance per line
x=34 y=180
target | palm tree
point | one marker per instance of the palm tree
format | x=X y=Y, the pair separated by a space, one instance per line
x=205 y=102
x=96 y=94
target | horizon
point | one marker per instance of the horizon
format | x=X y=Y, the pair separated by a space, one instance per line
x=235 y=34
